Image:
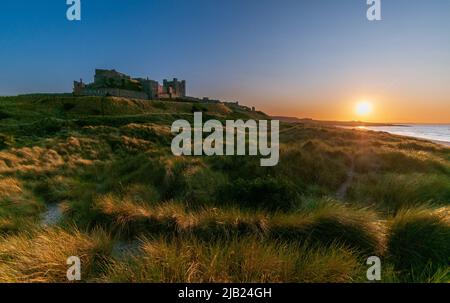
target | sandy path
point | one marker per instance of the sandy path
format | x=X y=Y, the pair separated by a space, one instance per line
x=342 y=191
x=52 y=215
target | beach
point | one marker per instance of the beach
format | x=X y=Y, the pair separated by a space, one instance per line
x=437 y=133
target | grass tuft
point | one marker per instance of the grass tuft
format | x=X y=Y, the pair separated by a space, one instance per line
x=419 y=242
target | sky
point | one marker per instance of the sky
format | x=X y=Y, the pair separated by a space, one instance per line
x=303 y=58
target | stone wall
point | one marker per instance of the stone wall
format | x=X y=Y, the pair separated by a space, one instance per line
x=150 y=87
x=116 y=92
x=114 y=83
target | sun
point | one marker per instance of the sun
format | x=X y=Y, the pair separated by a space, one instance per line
x=364 y=108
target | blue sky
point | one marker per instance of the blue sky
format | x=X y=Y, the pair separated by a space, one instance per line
x=306 y=58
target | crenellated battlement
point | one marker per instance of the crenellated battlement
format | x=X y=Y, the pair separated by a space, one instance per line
x=113 y=83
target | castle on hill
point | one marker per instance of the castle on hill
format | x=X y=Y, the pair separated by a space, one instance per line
x=114 y=83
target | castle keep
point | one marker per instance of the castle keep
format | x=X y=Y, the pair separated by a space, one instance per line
x=113 y=83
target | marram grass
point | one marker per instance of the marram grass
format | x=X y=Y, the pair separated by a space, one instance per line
x=337 y=197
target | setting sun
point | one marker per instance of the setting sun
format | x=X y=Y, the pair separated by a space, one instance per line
x=364 y=108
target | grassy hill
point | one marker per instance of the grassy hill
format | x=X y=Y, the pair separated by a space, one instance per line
x=95 y=178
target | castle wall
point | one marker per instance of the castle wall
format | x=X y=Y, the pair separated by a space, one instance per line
x=116 y=92
x=150 y=87
x=114 y=83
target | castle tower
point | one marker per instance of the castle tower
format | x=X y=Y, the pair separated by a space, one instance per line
x=175 y=88
x=78 y=87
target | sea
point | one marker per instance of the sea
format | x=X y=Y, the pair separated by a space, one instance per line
x=432 y=132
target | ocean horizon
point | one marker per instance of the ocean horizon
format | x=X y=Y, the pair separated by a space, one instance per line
x=433 y=132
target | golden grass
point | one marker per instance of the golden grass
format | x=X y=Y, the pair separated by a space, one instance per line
x=29 y=159
x=147 y=127
x=10 y=187
x=328 y=223
x=120 y=176
x=41 y=255
x=245 y=259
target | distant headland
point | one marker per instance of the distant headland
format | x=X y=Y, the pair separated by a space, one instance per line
x=334 y=123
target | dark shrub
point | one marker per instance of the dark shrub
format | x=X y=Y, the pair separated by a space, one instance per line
x=4 y=115
x=5 y=141
x=240 y=167
x=45 y=127
x=160 y=105
x=260 y=193
x=51 y=191
x=68 y=106
x=198 y=108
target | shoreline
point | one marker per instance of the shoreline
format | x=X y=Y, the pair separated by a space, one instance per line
x=439 y=142
x=444 y=143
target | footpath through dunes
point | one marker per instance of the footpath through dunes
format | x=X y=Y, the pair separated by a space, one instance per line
x=99 y=174
x=341 y=194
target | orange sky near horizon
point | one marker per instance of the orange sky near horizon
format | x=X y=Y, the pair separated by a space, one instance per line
x=419 y=94
x=384 y=111
x=392 y=108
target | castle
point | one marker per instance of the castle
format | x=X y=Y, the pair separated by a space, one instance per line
x=114 y=83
